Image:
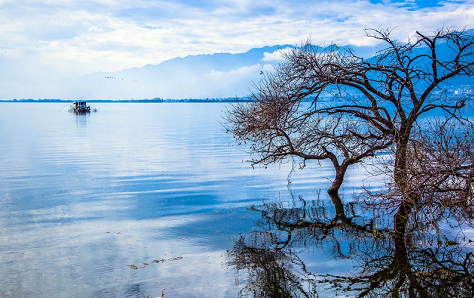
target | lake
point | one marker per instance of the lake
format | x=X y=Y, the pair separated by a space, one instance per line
x=133 y=200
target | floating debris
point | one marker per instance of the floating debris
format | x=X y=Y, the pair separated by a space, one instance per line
x=155 y=262
x=159 y=261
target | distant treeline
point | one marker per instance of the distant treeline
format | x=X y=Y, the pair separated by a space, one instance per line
x=153 y=100
x=452 y=96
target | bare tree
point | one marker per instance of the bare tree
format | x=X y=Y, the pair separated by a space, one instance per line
x=278 y=126
x=357 y=106
x=266 y=259
x=440 y=170
x=269 y=263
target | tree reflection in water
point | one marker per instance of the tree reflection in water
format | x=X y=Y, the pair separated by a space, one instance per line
x=268 y=259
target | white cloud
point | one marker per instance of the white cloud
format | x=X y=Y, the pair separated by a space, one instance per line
x=246 y=70
x=275 y=56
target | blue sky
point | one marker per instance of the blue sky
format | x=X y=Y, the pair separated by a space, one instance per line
x=414 y=4
x=51 y=39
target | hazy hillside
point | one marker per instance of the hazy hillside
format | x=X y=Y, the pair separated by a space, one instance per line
x=199 y=76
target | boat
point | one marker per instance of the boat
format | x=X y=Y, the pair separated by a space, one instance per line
x=80 y=107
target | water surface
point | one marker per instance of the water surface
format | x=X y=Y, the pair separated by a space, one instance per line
x=131 y=200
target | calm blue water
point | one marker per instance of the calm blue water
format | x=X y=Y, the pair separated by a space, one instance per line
x=89 y=202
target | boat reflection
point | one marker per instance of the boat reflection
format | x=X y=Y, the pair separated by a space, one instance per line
x=271 y=261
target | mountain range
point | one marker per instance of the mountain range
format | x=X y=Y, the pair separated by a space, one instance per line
x=220 y=75
x=198 y=76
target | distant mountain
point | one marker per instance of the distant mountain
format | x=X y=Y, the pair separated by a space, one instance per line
x=220 y=75
x=199 y=76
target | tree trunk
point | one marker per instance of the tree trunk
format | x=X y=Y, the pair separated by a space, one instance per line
x=337 y=182
x=337 y=202
x=401 y=220
x=409 y=197
x=406 y=205
x=400 y=173
x=400 y=253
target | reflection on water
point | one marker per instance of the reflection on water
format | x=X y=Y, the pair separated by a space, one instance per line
x=280 y=258
x=85 y=197
x=81 y=119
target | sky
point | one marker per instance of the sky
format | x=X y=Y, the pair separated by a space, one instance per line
x=54 y=39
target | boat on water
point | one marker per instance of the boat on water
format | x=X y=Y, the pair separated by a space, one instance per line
x=80 y=107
